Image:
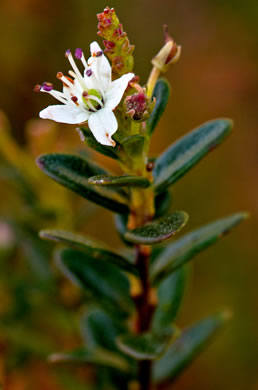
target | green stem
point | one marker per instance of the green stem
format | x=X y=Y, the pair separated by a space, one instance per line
x=153 y=78
x=142 y=212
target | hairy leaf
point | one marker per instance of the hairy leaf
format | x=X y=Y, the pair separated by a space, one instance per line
x=91 y=247
x=181 y=156
x=187 y=347
x=119 y=181
x=159 y=230
x=73 y=172
x=145 y=346
x=170 y=297
x=184 y=249
x=106 y=284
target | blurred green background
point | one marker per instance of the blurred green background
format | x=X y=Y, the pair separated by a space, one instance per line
x=217 y=76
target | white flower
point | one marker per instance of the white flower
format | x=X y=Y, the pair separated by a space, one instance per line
x=89 y=97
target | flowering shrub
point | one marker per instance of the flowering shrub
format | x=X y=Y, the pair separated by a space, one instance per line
x=129 y=327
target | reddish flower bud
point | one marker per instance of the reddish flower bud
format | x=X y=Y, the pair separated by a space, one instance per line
x=137 y=106
x=169 y=53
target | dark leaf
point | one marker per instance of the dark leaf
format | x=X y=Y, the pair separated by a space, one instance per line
x=92 y=248
x=100 y=330
x=184 y=249
x=187 y=347
x=170 y=296
x=145 y=346
x=73 y=172
x=161 y=93
x=162 y=203
x=187 y=151
x=159 y=230
x=102 y=280
x=99 y=357
x=119 y=181
x=162 y=206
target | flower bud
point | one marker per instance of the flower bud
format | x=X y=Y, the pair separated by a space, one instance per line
x=169 y=53
x=138 y=106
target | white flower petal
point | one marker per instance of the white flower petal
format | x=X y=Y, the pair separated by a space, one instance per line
x=116 y=91
x=64 y=114
x=100 y=67
x=103 y=125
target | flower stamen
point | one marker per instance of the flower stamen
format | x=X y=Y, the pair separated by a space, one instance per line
x=79 y=77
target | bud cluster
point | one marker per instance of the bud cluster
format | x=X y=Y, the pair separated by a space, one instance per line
x=138 y=106
x=117 y=45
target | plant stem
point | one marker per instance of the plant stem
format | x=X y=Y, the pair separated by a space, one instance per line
x=144 y=311
x=152 y=80
x=142 y=212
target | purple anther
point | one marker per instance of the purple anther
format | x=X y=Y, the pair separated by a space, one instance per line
x=89 y=72
x=68 y=52
x=78 y=53
x=47 y=87
x=99 y=53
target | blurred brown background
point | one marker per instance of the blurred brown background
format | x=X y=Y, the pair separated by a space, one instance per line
x=217 y=76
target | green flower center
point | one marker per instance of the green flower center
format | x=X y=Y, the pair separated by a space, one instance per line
x=92 y=99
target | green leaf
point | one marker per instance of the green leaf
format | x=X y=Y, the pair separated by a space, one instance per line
x=162 y=206
x=100 y=330
x=170 y=297
x=187 y=347
x=161 y=93
x=99 y=357
x=121 y=226
x=144 y=346
x=92 y=248
x=177 y=254
x=73 y=172
x=134 y=145
x=181 y=156
x=119 y=181
x=106 y=284
x=159 y=230
x=162 y=203
x=87 y=137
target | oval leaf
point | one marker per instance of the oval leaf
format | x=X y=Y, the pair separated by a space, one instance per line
x=119 y=181
x=187 y=347
x=92 y=248
x=161 y=93
x=99 y=357
x=100 y=330
x=170 y=296
x=73 y=172
x=105 y=283
x=162 y=205
x=145 y=346
x=187 y=151
x=177 y=254
x=159 y=230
